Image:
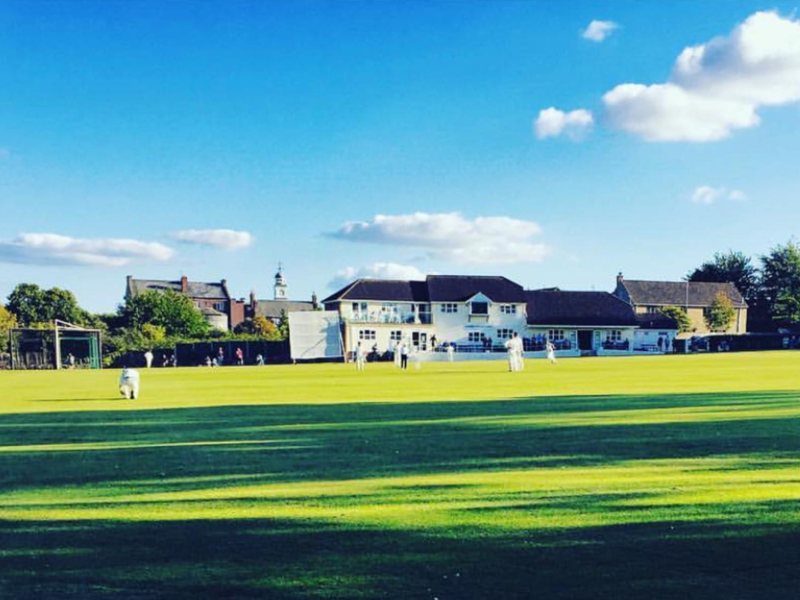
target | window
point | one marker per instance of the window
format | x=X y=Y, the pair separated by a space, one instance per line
x=220 y=306
x=614 y=335
x=366 y=334
x=651 y=310
x=474 y=336
x=396 y=335
x=508 y=309
x=555 y=335
x=480 y=308
x=505 y=334
x=449 y=307
x=359 y=307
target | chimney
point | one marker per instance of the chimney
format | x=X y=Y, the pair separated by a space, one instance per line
x=184 y=284
x=620 y=278
x=253 y=299
x=314 y=301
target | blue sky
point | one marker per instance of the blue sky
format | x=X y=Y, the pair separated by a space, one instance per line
x=135 y=121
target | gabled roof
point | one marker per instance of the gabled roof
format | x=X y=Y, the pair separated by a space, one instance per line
x=556 y=307
x=674 y=293
x=460 y=288
x=195 y=289
x=382 y=290
x=656 y=321
x=272 y=309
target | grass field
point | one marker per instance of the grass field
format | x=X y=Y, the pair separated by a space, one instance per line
x=624 y=478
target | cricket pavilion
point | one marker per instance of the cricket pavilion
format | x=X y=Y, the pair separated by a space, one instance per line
x=477 y=315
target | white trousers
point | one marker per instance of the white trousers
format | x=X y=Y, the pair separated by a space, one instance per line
x=129 y=389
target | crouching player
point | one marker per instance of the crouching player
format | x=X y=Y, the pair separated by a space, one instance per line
x=129 y=383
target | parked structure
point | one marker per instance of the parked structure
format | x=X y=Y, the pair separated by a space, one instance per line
x=695 y=297
x=212 y=298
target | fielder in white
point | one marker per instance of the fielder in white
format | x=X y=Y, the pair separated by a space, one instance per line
x=551 y=352
x=148 y=358
x=129 y=383
x=519 y=348
x=359 y=357
x=451 y=352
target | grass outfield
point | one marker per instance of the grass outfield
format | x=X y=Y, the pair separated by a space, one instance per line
x=651 y=477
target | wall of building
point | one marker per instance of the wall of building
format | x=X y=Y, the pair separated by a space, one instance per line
x=698 y=321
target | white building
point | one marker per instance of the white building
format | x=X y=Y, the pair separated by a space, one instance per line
x=471 y=312
x=479 y=314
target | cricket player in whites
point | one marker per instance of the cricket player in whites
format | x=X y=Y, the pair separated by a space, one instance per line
x=514 y=349
x=359 y=357
x=129 y=383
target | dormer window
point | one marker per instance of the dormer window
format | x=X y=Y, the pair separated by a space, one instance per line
x=479 y=308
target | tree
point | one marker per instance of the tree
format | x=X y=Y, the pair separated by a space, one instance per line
x=175 y=313
x=720 y=313
x=678 y=315
x=259 y=327
x=7 y=322
x=32 y=305
x=732 y=267
x=283 y=326
x=780 y=282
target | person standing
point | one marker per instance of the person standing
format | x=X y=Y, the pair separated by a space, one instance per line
x=239 y=357
x=403 y=356
x=551 y=352
x=511 y=354
x=148 y=358
x=520 y=349
x=220 y=357
x=260 y=360
x=359 y=357
x=451 y=351
x=396 y=354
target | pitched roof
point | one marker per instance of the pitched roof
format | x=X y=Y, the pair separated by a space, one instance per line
x=382 y=290
x=459 y=288
x=656 y=321
x=272 y=309
x=555 y=307
x=700 y=293
x=196 y=289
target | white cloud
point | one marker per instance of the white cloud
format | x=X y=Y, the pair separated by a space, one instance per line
x=705 y=194
x=54 y=249
x=452 y=237
x=552 y=122
x=717 y=87
x=597 y=31
x=380 y=270
x=225 y=239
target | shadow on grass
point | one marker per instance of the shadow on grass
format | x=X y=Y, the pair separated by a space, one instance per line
x=291 y=561
x=355 y=441
x=179 y=450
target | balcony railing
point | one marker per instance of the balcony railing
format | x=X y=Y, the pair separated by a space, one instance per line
x=389 y=318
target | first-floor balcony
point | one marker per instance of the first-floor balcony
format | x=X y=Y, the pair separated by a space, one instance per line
x=390 y=318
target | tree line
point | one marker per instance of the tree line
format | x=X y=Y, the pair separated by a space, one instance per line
x=148 y=321
x=770 y=283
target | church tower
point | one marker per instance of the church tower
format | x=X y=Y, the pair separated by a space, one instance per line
x=281 y=287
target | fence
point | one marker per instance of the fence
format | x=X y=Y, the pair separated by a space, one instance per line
x=195 y=354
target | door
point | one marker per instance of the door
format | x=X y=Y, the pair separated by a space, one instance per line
x=419 y=341
x=585 y=339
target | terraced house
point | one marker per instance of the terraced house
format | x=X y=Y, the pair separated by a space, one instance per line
x=695 y=297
